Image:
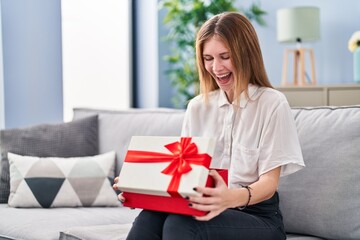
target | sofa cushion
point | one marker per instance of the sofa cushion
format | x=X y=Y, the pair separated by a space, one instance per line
x=72 y=139
x=62 y=182
x=301 y=237
x=323 y=198
x=117 y=127
x=47 y=223
x=106 y=232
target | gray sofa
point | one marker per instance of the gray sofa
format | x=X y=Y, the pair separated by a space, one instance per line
x=320 y=202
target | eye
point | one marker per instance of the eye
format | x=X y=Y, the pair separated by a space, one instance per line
x=225 y=57
x=207 y=58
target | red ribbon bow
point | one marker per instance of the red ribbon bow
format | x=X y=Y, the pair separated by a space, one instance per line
x=183 y=154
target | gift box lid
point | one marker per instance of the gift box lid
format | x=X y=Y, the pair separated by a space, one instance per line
x=166 y=166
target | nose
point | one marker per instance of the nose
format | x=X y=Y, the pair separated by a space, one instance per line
x=217 y=66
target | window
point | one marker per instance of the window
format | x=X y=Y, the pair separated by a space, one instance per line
x=96 y=40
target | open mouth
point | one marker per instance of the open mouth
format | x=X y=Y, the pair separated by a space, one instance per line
x=224 y=77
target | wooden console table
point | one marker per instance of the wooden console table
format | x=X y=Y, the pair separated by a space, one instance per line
x=322 y=95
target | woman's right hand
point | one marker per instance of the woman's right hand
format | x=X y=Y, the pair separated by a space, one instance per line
x=115 y=187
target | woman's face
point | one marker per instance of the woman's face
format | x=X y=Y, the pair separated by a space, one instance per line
x=218 y=63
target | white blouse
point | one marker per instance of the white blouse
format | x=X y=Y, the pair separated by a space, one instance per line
x=251 y=138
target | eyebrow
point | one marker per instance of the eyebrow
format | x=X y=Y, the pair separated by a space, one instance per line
x=221 y=54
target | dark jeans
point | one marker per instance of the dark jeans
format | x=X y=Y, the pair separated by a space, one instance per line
x=262 y=221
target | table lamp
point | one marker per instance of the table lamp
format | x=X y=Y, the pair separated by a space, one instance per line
x=297 y=25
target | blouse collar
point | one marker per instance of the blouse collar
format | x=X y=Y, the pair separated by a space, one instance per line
x=252 y=89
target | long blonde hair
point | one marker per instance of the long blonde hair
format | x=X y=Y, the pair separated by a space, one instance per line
x=239 y=36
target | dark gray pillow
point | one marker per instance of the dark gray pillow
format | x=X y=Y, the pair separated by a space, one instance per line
x=73 y=139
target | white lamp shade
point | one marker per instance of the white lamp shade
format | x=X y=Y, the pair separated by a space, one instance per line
x=298 y=23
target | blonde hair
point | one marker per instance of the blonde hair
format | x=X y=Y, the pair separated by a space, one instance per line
x=239 y=36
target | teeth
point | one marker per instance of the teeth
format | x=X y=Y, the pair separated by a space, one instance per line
x=225 y=75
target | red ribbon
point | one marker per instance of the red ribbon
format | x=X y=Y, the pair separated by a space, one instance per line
x=183 y=154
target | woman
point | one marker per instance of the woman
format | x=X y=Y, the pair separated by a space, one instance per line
x=256 y=141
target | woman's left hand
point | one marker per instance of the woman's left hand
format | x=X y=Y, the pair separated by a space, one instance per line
x=217 y=199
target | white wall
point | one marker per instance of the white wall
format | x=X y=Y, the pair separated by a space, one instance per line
x=96 y=54
x=31 y=57
x=333 y=60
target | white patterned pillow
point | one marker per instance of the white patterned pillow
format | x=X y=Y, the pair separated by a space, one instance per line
x=62 y=182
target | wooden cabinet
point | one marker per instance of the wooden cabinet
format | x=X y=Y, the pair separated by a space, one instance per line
x=322 y=95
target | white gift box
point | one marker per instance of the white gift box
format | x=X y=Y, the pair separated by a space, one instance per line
x=148 y=157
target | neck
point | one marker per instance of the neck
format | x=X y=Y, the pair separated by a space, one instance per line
x=230 y=96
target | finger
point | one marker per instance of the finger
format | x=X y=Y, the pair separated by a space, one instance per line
x=203 y=207
x=121 y=198
x=116 y=180
x=206 y=217
x=204 y=200
x=219 y=181
x=206 y=191
x=115 y=187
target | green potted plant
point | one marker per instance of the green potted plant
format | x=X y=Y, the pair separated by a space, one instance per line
x=183 y=18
